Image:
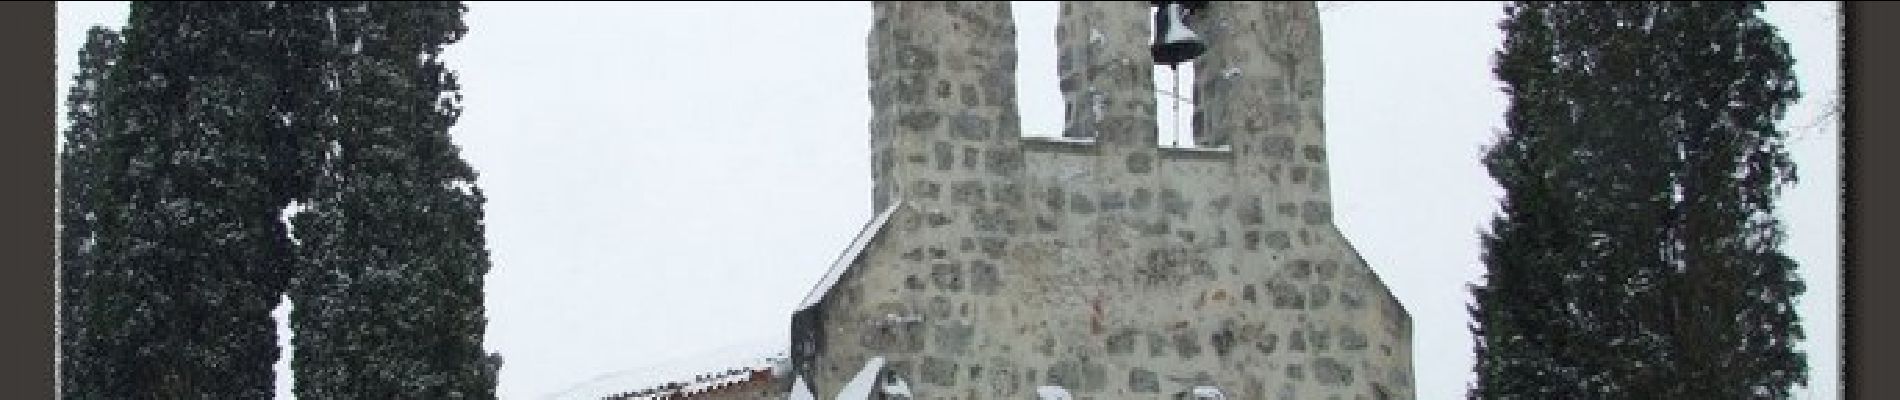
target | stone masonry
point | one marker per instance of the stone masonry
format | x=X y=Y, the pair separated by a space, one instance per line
x=1098 y=261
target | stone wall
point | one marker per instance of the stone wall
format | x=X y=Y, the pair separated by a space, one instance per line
x=1099 y=262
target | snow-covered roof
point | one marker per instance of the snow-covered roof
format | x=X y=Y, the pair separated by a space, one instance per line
x=860 y=385
x=843 y=263
x=688 y=374
x=699 y=384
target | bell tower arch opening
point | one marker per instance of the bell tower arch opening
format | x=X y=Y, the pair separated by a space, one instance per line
x=1037 y=77
x=1039 y=96
x=1174 y=101
x=1176 y=45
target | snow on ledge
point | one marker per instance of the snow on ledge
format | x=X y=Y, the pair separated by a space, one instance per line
x=1212 y=149
x=1208 y=393
x=1061 y=139
x=1052 y=393
x=850 y=255
x=899 y=389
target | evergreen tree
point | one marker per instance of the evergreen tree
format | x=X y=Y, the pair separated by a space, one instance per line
x=191 y=138
x=389 y=296
x=79 y=185
x=190 y=258
x=491 y=372
x=1637 y=254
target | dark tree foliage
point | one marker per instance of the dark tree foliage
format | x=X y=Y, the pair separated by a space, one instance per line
x=491 y=372
x=79 y=196
x=389 y=302
x=189 y=259
x=1637 y=254
x=189 y=140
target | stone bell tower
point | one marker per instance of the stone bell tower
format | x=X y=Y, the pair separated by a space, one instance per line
x=1098 y=263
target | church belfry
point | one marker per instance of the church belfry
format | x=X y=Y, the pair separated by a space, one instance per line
x=1098 y=263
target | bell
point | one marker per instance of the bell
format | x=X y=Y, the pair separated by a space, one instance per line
x=1174 y=43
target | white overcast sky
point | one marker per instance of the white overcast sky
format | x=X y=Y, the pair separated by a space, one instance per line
x=667 y=180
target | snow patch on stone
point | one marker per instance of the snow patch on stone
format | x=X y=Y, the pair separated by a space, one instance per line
x=859 y=387
x=801 y=390
x=898 y=388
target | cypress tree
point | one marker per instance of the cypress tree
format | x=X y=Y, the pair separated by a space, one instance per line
x=389 y=295
x=189 y=258
x=188 y=142
x=1637 y=253
x=80 y=182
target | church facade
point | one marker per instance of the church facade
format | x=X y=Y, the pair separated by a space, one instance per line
x=1099 y=263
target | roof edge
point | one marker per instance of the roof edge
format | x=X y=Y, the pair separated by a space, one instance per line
x=849 y=256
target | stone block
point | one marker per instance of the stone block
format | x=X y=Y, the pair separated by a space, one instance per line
x=947 y=276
